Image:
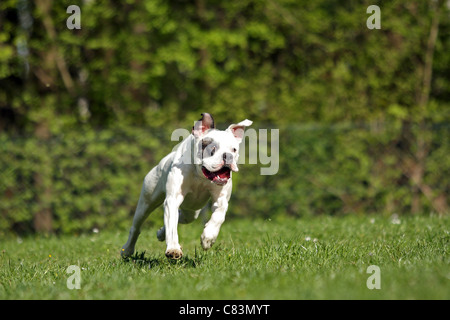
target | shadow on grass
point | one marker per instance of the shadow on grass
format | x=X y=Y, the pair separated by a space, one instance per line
x=140 y=260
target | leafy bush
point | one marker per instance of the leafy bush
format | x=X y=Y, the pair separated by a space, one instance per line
x=88 y=179
x=84 y=114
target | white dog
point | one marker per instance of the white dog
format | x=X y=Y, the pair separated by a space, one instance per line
x=199 y=169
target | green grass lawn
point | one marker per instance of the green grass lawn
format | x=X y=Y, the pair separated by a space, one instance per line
x=312 y=258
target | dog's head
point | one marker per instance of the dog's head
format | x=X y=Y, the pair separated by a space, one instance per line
x=216 y=152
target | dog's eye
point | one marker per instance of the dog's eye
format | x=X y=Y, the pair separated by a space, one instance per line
x=213 y=150
x=234 y=150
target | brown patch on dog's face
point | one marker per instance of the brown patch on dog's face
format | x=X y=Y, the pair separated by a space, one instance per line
x=209 y=147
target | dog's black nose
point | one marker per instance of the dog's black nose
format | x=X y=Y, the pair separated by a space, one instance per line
x=228 y=158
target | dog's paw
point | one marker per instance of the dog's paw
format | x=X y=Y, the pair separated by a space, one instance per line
x=126 y=252
x=207 y=242
x=174 y=253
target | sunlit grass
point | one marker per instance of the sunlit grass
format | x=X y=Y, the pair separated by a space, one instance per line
x=314 y=258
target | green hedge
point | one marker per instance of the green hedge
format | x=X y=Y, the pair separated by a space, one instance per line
x=363 y=114
x=89 y=179
x=86 y=179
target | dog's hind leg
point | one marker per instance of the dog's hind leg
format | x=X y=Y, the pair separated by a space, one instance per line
x=203 y=213
x=145 y=206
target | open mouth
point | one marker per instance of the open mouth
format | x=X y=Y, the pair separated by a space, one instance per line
x=219 y=177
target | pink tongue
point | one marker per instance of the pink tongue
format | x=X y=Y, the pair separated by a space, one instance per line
x=224 y=173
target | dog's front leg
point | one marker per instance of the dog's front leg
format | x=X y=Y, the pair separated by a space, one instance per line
x=171 y=205
x=219 y=210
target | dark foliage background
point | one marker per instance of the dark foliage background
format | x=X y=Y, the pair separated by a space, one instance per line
x=363 y=115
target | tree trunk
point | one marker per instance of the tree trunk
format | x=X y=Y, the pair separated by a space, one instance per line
x=422 y=144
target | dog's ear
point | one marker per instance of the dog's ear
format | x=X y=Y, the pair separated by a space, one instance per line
x=203 y=125
x=238 y=129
